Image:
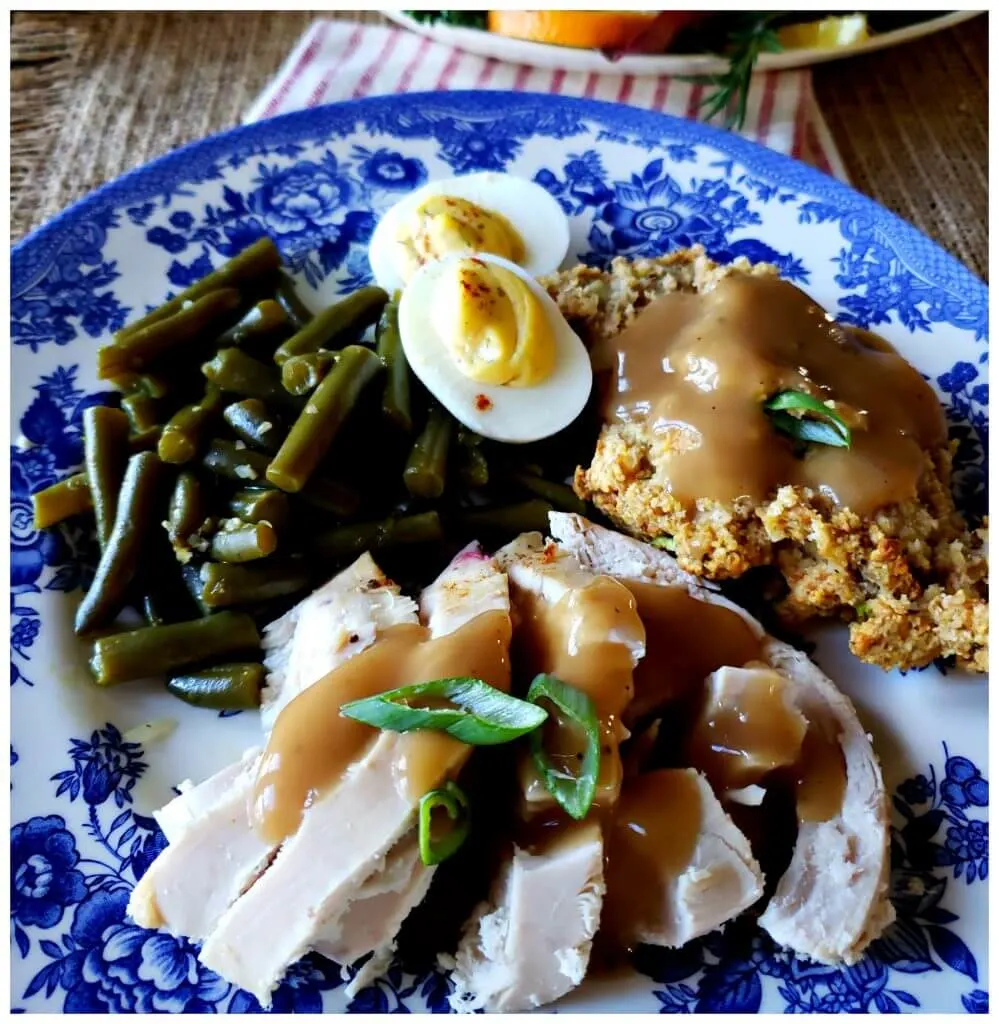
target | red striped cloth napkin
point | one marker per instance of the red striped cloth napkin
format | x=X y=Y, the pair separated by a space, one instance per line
x=338 y=60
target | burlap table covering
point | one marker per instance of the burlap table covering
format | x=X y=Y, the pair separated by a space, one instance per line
x=93 y=95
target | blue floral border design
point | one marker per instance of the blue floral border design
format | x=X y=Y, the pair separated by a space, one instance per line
x=512 y=118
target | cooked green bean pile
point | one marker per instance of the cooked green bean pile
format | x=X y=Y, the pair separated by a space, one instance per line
x=256 y=450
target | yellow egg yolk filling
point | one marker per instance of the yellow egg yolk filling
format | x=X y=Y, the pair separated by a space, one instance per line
x=444 y=225
x=497 y=330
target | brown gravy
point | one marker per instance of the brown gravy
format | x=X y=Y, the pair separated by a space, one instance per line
x=312 y=744
x=753 y=736
x=819 y=777
x=686 y=640
x=697 y=368
x=650 y=842
x=747 y=733
x=583 y=639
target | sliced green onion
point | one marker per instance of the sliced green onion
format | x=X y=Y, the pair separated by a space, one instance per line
x=831 y=429
x=573 y=791
x=467 y=709
x=666 y=544
x=454 y=801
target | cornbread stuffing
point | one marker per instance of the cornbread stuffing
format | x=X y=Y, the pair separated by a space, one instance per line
x=896 y=560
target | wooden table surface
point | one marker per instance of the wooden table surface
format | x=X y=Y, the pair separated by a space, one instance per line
x=93 y=95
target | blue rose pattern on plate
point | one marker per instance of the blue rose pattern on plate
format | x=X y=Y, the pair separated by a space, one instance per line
x=634 y=184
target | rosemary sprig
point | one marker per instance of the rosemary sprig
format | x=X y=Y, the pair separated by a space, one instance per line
x=752 y=35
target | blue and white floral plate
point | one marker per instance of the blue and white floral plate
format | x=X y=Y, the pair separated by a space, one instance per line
x=634 y=184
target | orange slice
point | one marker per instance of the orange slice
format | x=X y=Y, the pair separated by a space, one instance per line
x=600 y=30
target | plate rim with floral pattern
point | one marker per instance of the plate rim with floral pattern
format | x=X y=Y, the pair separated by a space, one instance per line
x=84 y=776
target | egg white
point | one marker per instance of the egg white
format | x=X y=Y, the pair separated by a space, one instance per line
x=534 y=214
x=515 y=415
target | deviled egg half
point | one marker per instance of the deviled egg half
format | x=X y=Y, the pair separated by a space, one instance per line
x=492 y=347
x=488 y=212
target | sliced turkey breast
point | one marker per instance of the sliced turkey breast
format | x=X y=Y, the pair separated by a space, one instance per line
x=470 y=586
x=608 y=551
x=678 y=867
x=552 y=590
x=338 y=620
x=530 y=944
x=212 y=858
x=688 y=636
x=215 y=854
x=345 y=845
x=832 y=901
x=193 y=801
x=377 y=913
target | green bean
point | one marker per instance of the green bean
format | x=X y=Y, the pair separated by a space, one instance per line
x=424 y=475
x=395 y=398
x=254 y=264
x=524 y=517
x=224 y=585
x=153 y=385
x=105 y=452
x=165 y=598
x=154 y=612
x=264 y=322
x=145 y=440
x=141 y=410
x=304 y=373
x=253 y=423
x=345 y=542
x=185 y=432
x=190 y=574
x=331 y=496
x=298 y=313
x=246 y=466
x=335 y=325
x=233 y=370
x=187 y=509
x=241 y=465
x=139 y=348
x=261 y=505
x=244 y=543
x=318 y=423
x=158 y=650
x=560 y=496
x=69 y=497
x=473 y=469
x=232 y=687
x=135 y=517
